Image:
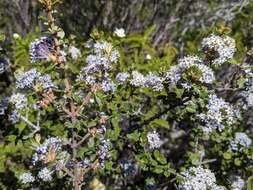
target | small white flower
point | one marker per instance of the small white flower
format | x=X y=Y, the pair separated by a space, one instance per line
x=16 y=36
x=26 y=178
x=154 y=140
x=120 y=32
x=148 y=57
x=74 y=52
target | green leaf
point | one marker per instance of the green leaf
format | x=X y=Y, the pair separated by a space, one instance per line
x=134 y=136
x=108 y=165
x=11 y=138
x=250 y=183
x=227 y=155
x=237 y=162
x=161 y=123
x=160 y=157
x=179 y=92
x=158 y=170
x=21 y=126
x=2 y=37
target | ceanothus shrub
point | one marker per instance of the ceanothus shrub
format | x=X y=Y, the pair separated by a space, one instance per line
x=111 y=114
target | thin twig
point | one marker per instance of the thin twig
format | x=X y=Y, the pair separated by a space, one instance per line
x=37 y=128
x=207 y=161
x=82 y=140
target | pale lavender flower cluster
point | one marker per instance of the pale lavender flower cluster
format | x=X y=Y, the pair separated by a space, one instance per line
x=26 y=178
x=138 y=79
x=103 y=151
x=14 y=117
x=51 y=154
x=26 y=80
x=129 y=168
x=4 y=65
x=148 y=81
x=42 y=49
x=240 y=142
x=45 y=175
x=31 y=78
x=45 y=81
x=223 y=46
x=154 y=140
x=154 y=82
x=198 y=178
x=175 y=74
x=19 y=101
x=237 y=183
x=41 y=150
x=108 y=86
x=122 y=77
x=74 y=52
x=104 y=55
x=219 y=114
x=99 y=63
x=4 y=105
x=248 y=94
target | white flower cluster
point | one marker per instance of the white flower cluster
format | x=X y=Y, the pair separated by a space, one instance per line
x=98 y=65
x=154 y=140
x=31 y=78
x=240 y=142
x=198 y=178
x=154 y=82
x=45 y=175
x=19 y=101
x=52 y=143
x=26 y=178
x=138 y=79
x=237 y=183
x=175 y=74
x=219 y=113
x=74 y=52
x=224 y=47
x=148 y=81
